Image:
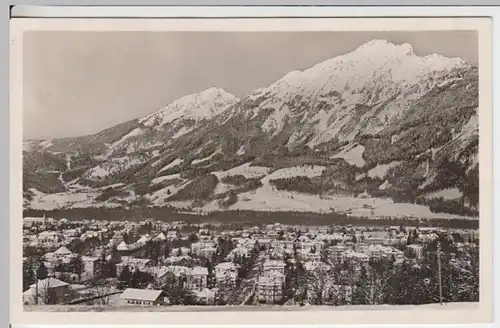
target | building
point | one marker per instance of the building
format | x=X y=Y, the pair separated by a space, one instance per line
x=29 y=221
x=208 y=252
x=143 y=240
x=50 y=237
x=48 y=291
x=197 y=278
x=161 y=237
x=416 y=250
x=308 y=255
x=178 y=270
x=271 y=267
x=374 y=240
x=181 y=251
x=133 y=296
x=354 y=258
x=90 y=265
x=133 y=264
x=123 y=247
x=172 y=235
x=238 y=251
x=63 y=251
x=270 y=288
x=335 y=252
x=205 y=296
x=315 y=265
x=226 y=273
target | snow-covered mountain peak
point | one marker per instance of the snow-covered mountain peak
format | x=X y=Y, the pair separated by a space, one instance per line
x=377 y=61
x=198 y=106
x=383 y=47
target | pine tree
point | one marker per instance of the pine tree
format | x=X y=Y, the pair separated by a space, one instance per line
x=42 y=272
x=126 y=275
x=77 y=266
x=28 y=274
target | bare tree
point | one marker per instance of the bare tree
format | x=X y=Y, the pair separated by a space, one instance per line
x=44 y=294
x=374 y=288
x=225 y=291
x=371 y=282
x=102 y=289
x=321 y=283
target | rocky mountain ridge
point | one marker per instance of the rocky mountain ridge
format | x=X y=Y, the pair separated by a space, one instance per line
x=379 y=131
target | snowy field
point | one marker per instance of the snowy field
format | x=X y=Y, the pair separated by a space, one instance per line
x=264 y=199
x=379 y=171
x=451 y=193
x=295 y=171
x=54 y=201
x=128 y=308
x=268 y=198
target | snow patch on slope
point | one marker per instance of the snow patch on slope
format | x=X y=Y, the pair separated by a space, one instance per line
x=159 y=197
x=241 y=151
x=264 y=199
x=201 y=160
x=353 y=156
x=447 y=194
x=175 y=162
x=246 y=170
x=115 y=165
x=165 y=178
x=63 y=200
x=381 y=170
x=310 y=171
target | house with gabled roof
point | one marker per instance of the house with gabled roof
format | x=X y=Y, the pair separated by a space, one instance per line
x=63 y=251
x=123 y=246
x=197 y=278
x=134 y=296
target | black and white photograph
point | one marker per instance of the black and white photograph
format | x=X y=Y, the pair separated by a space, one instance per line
x=167 y=171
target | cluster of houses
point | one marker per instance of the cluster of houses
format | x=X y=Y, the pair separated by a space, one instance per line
x=279 y=245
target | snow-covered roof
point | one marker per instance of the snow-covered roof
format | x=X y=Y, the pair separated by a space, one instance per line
x=199 y=271
x=352 y=254
x=274 y=280
x=63 y=250
x=273 y=263
x=311 y=266
x=141 y=294
x=225 y=266
x=161 y=236
x=49 y=283
x=177 y=269
x=89 y=258
x=136 y=261
x=144 y=239
x=160 y=271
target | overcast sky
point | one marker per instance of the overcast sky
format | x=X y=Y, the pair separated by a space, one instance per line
x=78 y=83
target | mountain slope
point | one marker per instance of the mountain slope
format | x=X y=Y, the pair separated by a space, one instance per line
x=377 y=122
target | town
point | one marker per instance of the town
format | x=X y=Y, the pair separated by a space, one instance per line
x=157 y=263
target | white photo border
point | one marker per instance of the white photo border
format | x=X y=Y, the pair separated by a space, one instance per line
x=412 y=315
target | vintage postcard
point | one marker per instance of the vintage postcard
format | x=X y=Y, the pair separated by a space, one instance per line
x=251 y=171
